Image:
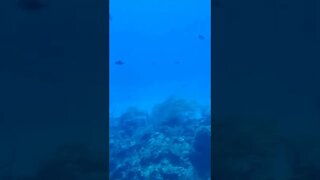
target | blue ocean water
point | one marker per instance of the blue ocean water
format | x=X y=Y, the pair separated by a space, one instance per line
x=160 y=69
x=163 y=55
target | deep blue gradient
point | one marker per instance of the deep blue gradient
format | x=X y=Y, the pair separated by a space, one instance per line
x=162 y=53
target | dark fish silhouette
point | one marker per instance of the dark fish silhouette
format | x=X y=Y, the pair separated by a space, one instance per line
x=201 y=37
x=119 y=62
x=32 y=5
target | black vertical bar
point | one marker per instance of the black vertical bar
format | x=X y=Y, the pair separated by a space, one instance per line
x=54 y=89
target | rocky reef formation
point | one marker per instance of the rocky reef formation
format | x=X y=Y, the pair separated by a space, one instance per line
x=172 y=142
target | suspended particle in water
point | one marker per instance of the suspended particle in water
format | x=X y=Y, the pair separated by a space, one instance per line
x=201 y=37
x=119 y=62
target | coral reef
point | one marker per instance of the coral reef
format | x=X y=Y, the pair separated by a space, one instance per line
x=170 y=143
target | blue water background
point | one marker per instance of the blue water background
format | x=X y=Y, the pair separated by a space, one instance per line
x=162 y=54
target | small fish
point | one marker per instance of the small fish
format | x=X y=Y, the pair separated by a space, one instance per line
x=201 y=37
x=32 y=5
x=119 y=62
x=177 y=62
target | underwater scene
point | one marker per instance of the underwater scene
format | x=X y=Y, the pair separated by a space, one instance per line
x=159 y=80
